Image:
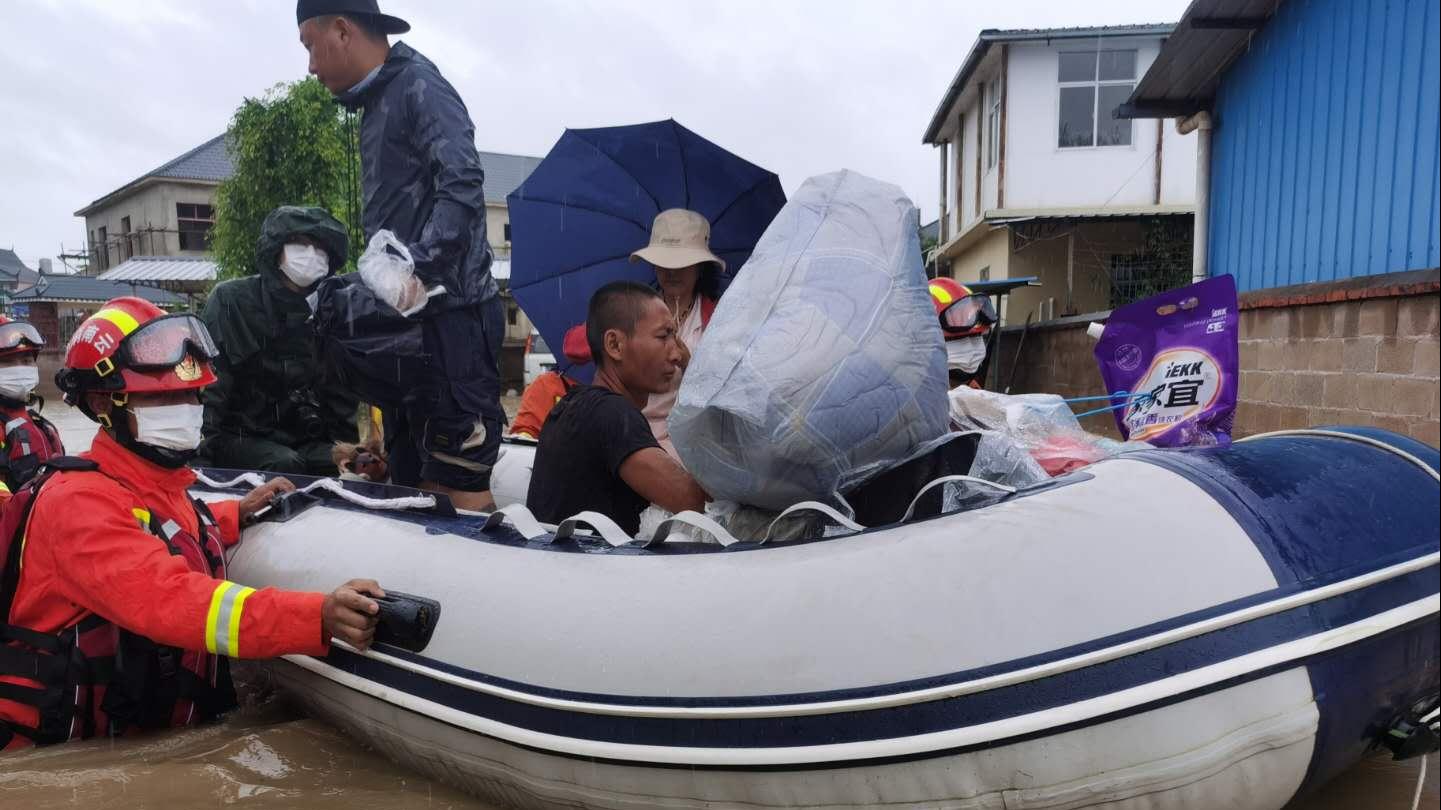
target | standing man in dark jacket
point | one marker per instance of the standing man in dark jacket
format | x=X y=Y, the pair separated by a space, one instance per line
x=422 y=181
x=268 y=410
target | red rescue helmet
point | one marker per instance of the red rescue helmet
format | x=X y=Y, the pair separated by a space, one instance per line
x=18 y=337
x=961 y=313
x=132 y=346
x=575 y=346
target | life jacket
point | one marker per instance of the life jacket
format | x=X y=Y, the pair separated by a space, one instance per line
x=29 y=441
x=94 y=677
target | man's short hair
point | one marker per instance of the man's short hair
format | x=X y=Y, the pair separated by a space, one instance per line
x=364 y=22
x=617 y=305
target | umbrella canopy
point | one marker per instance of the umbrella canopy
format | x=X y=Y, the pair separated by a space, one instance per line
x=575 y=221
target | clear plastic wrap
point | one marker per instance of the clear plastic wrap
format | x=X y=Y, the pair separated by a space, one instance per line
x=822 y=365
x=1040 y=426
x=387 y=269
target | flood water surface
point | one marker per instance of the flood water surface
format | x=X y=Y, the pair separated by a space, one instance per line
x=268 y=757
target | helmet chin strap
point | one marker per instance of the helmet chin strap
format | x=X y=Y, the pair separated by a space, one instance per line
x=118 y=423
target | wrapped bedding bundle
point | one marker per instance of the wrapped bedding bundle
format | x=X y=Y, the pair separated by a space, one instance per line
x=823 y=363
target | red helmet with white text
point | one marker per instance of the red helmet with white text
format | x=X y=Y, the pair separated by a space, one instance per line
x=132 y=346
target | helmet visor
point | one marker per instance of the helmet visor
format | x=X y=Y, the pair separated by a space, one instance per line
x=15 y=335
x=969 y=312
x=164 y=342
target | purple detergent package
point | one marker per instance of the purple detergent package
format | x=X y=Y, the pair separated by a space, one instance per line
x=1171 y=364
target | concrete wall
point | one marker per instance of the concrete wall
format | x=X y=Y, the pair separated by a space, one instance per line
x=1040 y=174
x=993 y=251
x=152 y=206
x=1361 y=354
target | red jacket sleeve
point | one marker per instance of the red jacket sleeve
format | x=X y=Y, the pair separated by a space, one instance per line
x=227 y=517
x=536 y=402
x=112 y=567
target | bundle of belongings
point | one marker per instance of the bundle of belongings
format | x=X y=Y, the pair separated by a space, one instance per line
x=822 y=369
x=1027 y=438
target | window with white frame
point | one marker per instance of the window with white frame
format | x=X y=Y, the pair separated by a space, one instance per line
x=993 y=122
x=1093 y=85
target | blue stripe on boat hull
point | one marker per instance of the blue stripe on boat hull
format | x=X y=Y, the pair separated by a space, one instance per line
x=919 y=718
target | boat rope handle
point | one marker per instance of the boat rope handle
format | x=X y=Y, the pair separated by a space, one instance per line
x=603 y=526
x=812 y=506
x=1420 y=784
x=520 y=518
x=1336 y=434
x=695 y=520
x=330 y=485
x=338 y=489
x=951 y=479
x=253 y=479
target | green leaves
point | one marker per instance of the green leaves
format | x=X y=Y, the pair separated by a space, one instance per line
x=292 y=146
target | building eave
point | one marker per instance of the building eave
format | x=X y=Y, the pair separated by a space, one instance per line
x=1211 y=35
x=136 y=185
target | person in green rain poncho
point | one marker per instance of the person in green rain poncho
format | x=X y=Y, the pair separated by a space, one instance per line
x=270 y=410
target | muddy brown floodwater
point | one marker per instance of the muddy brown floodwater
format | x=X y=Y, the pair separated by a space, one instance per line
x=268 y=757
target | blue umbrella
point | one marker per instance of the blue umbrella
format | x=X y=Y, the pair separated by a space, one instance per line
x=575 y=221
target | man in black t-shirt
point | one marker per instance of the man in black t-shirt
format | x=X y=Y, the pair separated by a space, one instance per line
x=597 y=452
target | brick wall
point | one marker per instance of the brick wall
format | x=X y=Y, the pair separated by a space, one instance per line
x=1361 y=352
x=1334 y=354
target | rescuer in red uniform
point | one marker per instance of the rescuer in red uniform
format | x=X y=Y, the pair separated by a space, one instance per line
x=115 y=613
x=966 y=320
x=28 y=439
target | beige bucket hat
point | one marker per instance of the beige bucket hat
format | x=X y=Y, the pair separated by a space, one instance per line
x=679 y=238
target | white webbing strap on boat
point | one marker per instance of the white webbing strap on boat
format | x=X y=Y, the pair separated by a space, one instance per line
x=950 y=479
x=1336 y=434
x=338 y=489
x=602 y=525
x=520 y=518
x=253 y=479
x=694 y=520
x=812 y=506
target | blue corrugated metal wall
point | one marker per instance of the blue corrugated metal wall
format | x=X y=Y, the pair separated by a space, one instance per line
x=1325 y=156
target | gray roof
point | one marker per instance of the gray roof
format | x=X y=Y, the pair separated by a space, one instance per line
x=210 y=162
x=68 y=289
x=994 y=35
x=11 y=265
x=1210 y=36
x=504 y=173
x=207 y=163
x=143 y=269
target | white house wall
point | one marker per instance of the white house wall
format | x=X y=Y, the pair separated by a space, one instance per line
x=967 y=173
x=1039 y=174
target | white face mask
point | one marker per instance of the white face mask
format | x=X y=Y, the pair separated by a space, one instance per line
x=172 y=427
x=965 y=354
x=16 y=382
x=304 y=264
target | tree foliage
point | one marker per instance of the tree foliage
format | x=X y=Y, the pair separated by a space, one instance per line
x=292 y=146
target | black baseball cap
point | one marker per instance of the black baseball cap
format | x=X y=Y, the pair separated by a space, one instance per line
x=369 y=9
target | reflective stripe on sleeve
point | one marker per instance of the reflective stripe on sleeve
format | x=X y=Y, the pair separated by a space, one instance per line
x=143 y=516
x=222 y=623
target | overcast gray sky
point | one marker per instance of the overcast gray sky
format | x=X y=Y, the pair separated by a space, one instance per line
x=94 y=93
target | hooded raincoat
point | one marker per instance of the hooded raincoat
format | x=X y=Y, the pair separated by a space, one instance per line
x=271 y=409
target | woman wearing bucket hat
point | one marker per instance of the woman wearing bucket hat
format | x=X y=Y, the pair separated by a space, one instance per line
x=688 y=275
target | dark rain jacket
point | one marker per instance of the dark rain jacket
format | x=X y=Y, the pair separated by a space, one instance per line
x=267 y=352
x=422 y=177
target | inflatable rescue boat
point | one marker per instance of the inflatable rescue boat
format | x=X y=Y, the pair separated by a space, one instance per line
x=1183 y=628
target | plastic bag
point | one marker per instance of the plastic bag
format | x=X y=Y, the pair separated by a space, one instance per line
x=1040 y=426
x=387 y=269
x=822 y=365
x=1176 y=353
